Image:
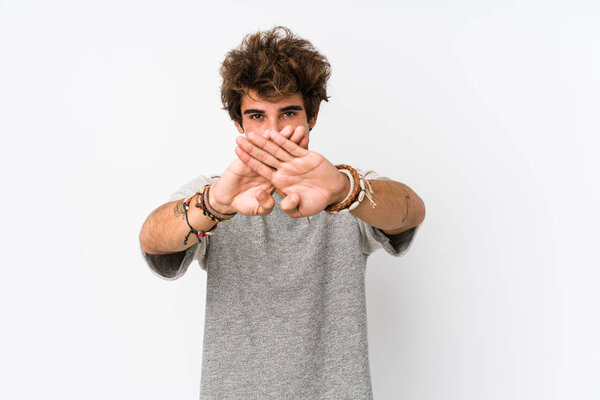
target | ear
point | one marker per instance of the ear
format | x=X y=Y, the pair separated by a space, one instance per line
x=239 y=127
x=313 y=120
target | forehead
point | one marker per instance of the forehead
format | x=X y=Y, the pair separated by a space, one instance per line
x=253 y=100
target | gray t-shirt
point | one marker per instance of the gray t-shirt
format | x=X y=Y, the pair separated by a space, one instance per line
x=285 y=313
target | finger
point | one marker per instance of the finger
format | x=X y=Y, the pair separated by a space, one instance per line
x=304 y=142
x=271 y=148
x=254 y=149
x=266 y=202
x=297 y=135
x=287 y=131
x=288 y=145
x=253 y=163
x=289 y=204
x=264 y=133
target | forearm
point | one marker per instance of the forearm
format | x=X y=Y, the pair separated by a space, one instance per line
x=398 y=208
x=165 y=229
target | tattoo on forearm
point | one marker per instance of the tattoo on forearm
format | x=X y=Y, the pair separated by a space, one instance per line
x=178 y=210
x=407 y=199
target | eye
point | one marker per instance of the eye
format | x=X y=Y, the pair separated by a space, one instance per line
x=290 y=114
x=256 y=116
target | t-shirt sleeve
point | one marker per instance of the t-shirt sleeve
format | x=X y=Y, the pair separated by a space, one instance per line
x=374 y=238
x=173 y=266
x=396 y=245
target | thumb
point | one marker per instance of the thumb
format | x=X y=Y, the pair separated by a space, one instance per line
x=266 y=202
x=290 y=203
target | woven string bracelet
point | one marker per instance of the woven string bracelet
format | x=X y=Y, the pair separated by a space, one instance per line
x=198 y=234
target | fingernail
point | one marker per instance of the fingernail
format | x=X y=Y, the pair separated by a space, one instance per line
x=261 y=196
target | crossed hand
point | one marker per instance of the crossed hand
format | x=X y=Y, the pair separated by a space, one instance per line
x=277 y=160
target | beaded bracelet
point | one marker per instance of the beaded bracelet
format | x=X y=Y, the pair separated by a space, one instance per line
x=198 y=234
x=202 y=202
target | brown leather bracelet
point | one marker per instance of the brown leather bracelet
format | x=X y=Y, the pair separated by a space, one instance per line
x=353 y=194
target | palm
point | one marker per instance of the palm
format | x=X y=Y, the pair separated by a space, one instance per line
x=239 y=186
x=307 y=176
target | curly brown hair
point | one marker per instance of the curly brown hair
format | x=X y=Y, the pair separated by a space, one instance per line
x=275 y=63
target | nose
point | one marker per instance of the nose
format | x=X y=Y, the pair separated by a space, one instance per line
x=275 y=124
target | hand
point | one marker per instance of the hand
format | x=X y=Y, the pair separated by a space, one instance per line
x=241 y=189
x=308 y=180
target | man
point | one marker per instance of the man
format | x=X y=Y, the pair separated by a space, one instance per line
x=285 y=300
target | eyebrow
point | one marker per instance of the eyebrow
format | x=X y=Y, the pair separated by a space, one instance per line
x=283 y=109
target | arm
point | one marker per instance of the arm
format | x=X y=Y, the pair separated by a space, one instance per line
x=310 y=182
x=398 y=208
x=240 y=189
x=165 y=228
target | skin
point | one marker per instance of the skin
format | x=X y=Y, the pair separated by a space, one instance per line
x=272 y=154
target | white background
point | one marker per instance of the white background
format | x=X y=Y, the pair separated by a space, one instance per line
x=488 y=110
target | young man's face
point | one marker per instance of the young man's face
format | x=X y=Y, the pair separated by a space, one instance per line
x=258 y=114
